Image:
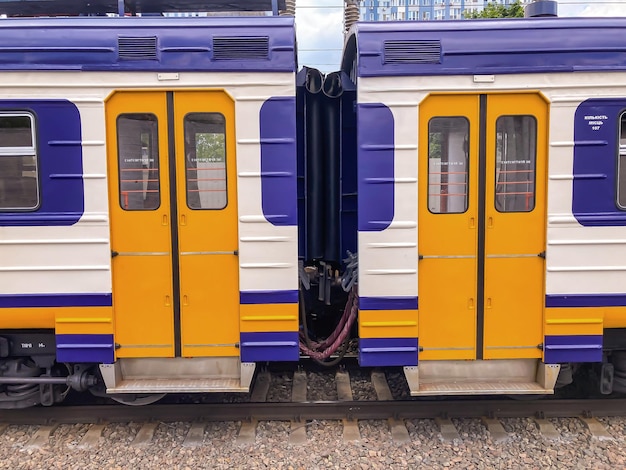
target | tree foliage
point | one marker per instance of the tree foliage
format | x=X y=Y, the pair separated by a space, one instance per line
x=210 y=147
x=498 y=10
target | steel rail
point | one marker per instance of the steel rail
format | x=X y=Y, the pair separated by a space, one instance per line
x=306 y=411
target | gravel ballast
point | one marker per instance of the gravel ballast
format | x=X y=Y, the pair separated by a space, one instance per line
x=324 y=447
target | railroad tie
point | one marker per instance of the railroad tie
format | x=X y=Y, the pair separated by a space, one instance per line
x=247 y=431
x=92 y=436
x=496 y=430
x=399 y=432
x=195 y=436
x=145 y=435
x=41 y=437
x=447 y=429
x=297 y=435
x=596 y=428
x=547 y=429
x=351 y=430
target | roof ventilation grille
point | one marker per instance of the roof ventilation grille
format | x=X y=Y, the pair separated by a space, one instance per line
x=137 y=48
x=237 y=48
x=413 y=52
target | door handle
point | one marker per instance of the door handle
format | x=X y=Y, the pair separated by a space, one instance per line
x=167 y=301
x=183 y=219
x=489 y=222
x=472 y=222
x=470 y=304
x=185 y=300
x=165 y=220
x=488 y=302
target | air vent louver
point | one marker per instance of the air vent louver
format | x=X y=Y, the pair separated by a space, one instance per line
x=229 y=48
x=137 y=48
x=413 y=52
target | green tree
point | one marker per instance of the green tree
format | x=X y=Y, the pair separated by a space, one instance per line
x=210 y=147
x=498 y=10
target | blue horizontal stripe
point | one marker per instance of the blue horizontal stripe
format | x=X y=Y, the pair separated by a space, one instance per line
x=269 y=297
x=55 y=300
x=586 y=300
x=270 y=346
x=85 y=348
x=388 y=303
x=374 y=352
x=389 y=350
x=572 y=348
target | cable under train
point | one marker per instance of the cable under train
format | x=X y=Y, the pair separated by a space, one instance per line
x=179 y=202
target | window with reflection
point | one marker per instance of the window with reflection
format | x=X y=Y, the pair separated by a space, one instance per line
x=138 y=157
x=621 y=165
x=205 y=155
x=448 y=144
x=19 y=179
x=516 y=153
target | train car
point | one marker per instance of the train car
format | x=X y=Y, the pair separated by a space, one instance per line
x=148 y=226
x=491 y=201
x=178 y=204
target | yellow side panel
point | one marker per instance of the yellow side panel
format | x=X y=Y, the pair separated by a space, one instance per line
x=574 y=321
x=513 y=308
x=143 y=324
x=614 y=317
x=206 y=313
x=84 y=320
x=266 y=318
x=33 y=317
x=388 y=324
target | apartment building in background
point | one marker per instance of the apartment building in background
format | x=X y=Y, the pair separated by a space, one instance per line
x=423 y=10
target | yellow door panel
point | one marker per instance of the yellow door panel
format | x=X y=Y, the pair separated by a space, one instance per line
x=140 y=223
x=206 y=313
x=447 y=227
x=513 y=308
x=143 y=306
x=516 y=165
x=447 y=308
x=206 y=179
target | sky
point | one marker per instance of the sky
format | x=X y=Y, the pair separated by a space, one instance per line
x=319 y=27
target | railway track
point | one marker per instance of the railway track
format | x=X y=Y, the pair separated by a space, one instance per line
x=300 y=412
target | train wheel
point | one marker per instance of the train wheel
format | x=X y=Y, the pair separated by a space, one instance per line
x=136 y=399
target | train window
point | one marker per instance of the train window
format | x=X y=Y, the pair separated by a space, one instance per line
x=516 y=151
x=138 y=157
x=205 y=151
x=621 y=165
x=19 y=188
x=448 y=165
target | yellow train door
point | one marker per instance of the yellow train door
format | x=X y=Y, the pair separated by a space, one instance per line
x=481 y=234
x=173 y=210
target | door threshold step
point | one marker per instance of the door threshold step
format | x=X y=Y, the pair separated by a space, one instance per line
x=479 y=388
x=181 y=385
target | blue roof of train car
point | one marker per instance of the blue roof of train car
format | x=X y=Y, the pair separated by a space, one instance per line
x=467 y=47
x=227 y=44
